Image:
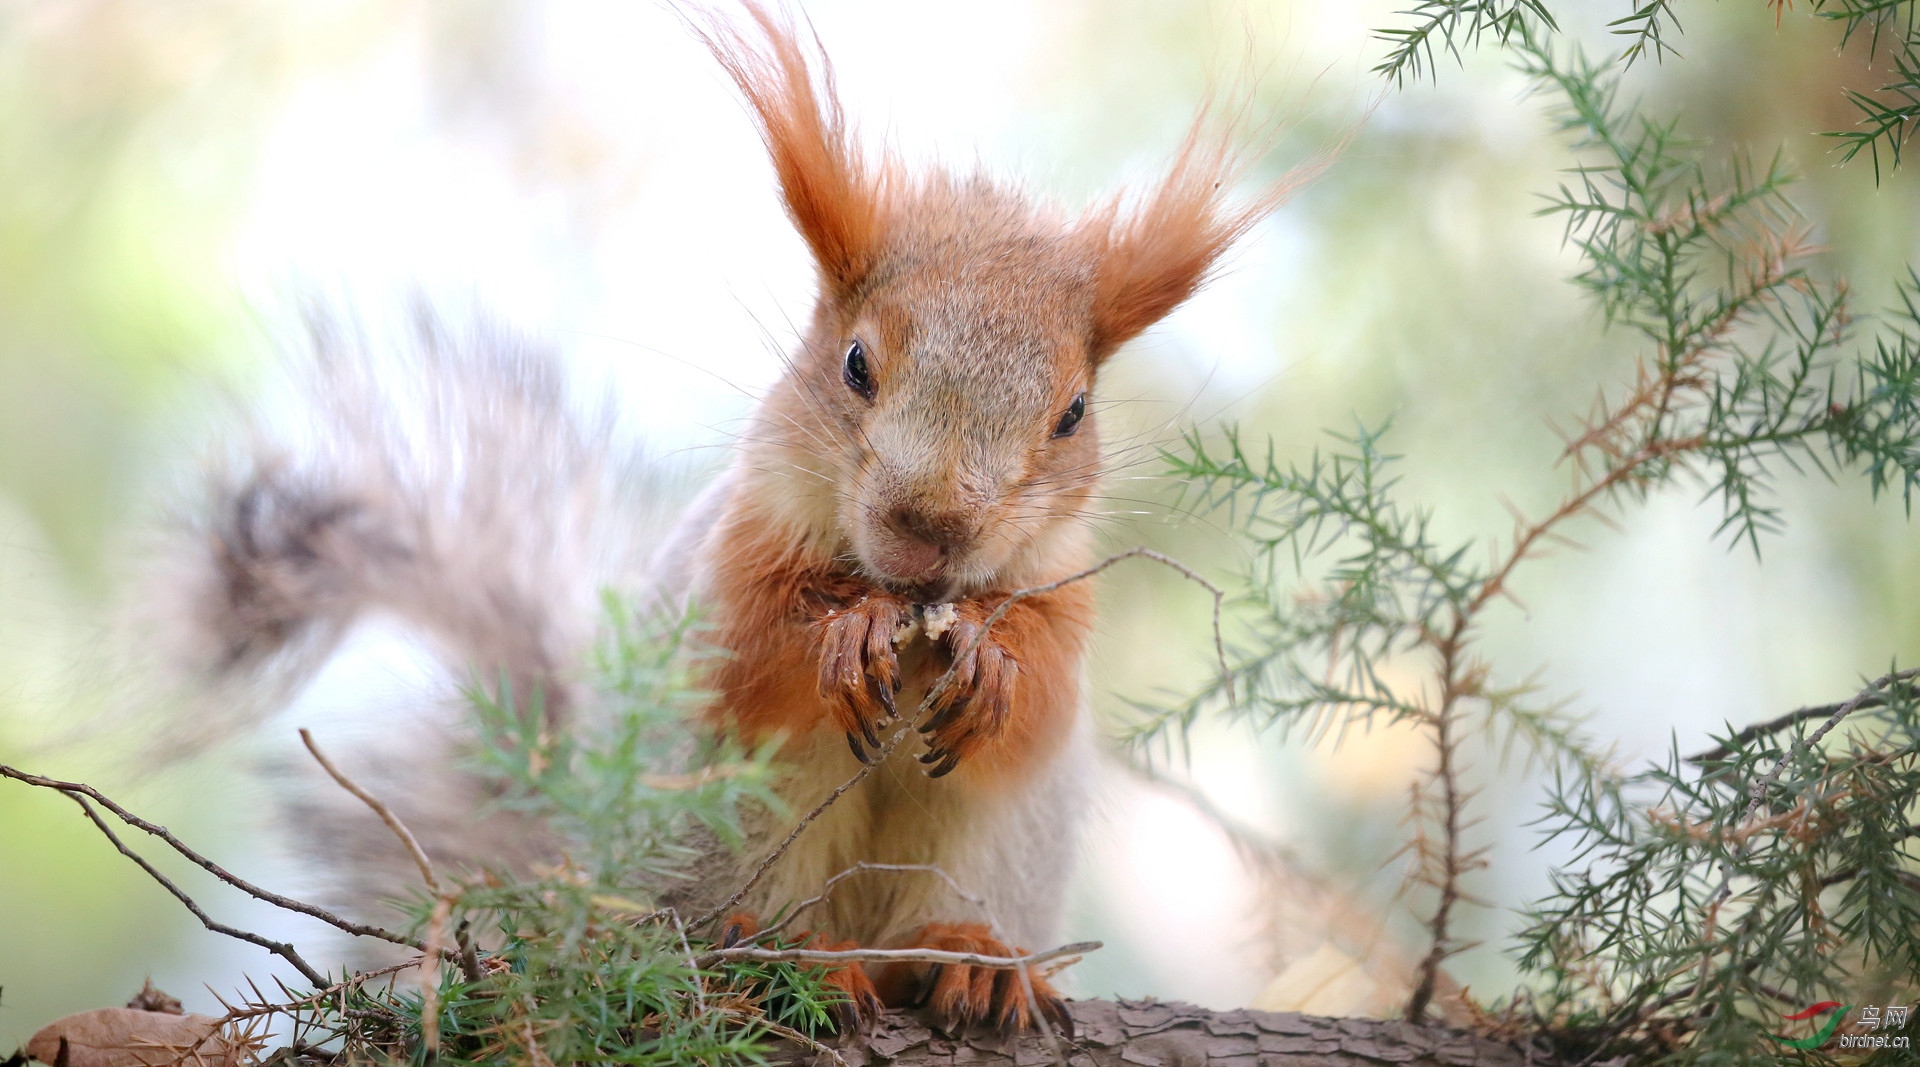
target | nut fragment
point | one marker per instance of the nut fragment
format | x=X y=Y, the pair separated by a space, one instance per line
x=939 y=618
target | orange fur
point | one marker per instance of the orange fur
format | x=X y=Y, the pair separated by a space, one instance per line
x=774 y=605
x=836 y=200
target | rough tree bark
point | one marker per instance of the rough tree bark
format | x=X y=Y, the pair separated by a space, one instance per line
x=1170 y=1034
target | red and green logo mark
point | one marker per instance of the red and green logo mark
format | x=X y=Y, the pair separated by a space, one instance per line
x=1826 y=1030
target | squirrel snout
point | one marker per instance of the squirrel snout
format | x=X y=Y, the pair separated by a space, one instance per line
x=942 y=531
x=915 y=545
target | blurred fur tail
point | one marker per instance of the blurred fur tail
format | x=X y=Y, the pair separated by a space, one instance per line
x=440 y=478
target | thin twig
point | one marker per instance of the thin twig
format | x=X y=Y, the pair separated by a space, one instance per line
x=893 y=955
x=1734 y=743
x=379 y=808
x=699 y=984
x=807 y=820
x=826 y=890
x=430 y=977
x=1039 y=1017
x=1138 y=552
x=1757 y=794
x=78 y=789
x=279 y=948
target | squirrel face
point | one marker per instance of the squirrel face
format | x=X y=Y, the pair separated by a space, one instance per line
x=960 y=374
x=933 y=433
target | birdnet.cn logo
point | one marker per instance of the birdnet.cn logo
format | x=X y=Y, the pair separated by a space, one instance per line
x=1832 y=1013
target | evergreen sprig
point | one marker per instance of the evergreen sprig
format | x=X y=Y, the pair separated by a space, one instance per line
x=1453 y=26
x=1752 y=362
x=1694 y=917
x=579 y=963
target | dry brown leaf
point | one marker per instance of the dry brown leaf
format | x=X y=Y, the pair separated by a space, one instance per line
x=128 y=1037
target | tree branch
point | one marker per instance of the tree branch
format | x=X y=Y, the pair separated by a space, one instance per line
x=78 y=789
x=1898 y=680
x=1131 y=1033
x=279 y=948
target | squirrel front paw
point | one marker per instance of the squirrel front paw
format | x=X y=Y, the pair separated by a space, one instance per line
x=978 y=697
x=960 y=996
x=859 y=669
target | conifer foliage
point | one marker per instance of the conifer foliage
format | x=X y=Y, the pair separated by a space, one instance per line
x=1711 y=894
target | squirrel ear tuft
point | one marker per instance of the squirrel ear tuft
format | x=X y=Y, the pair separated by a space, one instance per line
x=1151 y=256
x=836 y=200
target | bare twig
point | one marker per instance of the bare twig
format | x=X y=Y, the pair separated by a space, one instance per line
x=1138 y=552
x=77 y=789
x=893 y=955
x=279 y=948
x=699 y=984
x=826 y=891
x=1757 y=794
x=799 y=828
x=430 y=977
x=1733 y=744
x=379 y=808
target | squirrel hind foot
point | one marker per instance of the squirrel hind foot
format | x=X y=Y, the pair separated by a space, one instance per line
x=958 y=997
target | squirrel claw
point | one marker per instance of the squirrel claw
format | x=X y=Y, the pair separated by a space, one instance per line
x=979 y=691
x=859 y=669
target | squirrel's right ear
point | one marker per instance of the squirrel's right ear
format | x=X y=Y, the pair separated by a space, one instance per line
x=836 y=200
x=1149 y=257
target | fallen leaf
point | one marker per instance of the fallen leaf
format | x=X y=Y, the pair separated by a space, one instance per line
x=129 y=1037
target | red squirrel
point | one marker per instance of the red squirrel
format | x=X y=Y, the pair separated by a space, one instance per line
x=934 y=443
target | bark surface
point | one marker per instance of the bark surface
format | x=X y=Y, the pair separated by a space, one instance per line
x=1171 y=1034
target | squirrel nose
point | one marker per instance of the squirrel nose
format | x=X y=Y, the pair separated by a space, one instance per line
x=941 y=530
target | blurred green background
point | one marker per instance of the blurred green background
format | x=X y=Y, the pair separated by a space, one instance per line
x=173 y=176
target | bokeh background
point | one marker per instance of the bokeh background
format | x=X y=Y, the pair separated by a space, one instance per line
x=175 y=176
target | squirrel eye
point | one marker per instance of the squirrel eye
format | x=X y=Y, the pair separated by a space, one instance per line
x=1070 y=419
x=855 y=373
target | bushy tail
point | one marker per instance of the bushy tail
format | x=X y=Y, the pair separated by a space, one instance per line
x=442 y=478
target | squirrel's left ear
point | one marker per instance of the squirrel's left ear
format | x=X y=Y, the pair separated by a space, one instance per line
x=1148 y=259
x=836 y=200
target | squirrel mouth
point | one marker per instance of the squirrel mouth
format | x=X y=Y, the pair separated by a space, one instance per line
x=912 y=567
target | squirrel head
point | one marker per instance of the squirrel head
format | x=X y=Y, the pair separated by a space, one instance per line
x=937 y=425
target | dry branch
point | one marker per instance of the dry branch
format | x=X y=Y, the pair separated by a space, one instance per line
x=407 y=840
x=1161 y=1034
x=77 y=790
